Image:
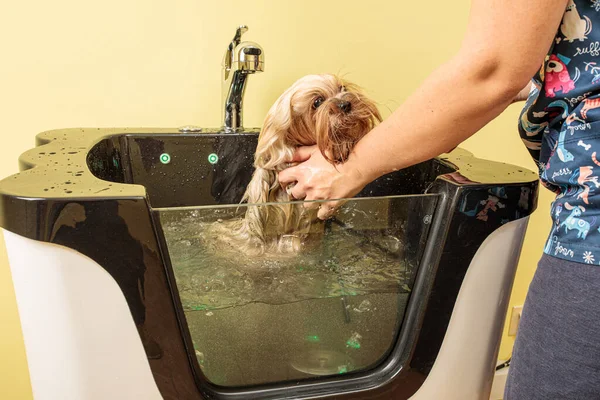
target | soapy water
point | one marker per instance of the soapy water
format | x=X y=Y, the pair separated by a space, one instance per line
x=334 y=308
x=212 y=274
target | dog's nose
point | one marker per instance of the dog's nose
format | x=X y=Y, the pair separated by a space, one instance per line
x=345 y=106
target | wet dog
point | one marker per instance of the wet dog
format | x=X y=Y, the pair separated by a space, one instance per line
x=322 y=110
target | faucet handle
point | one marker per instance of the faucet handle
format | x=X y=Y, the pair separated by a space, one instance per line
x=238 y=35
x=228 y=58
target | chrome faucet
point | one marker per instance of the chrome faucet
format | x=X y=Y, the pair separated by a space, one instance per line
x=240 y=60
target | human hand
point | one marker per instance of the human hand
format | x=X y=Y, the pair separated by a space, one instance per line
x=318 y=179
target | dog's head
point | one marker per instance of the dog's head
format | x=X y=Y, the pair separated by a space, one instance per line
x=317 y=109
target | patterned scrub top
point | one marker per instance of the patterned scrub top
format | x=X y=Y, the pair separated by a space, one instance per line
x=560 y=125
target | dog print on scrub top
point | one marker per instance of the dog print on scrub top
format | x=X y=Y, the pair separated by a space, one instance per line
x=557 y=76
x=560 y=126
x=574 y=27
x=589 y=104
x=574 y=222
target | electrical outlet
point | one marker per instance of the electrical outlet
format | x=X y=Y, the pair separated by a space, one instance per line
x=515 y=317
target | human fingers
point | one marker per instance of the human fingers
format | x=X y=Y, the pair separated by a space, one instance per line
x=326 y=210
x=302 y=153
x=287 y=176
x=297 y=192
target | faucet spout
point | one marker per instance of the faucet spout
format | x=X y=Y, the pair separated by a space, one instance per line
x=241 y=59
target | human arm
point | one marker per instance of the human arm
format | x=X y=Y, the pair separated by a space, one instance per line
x=505 y=44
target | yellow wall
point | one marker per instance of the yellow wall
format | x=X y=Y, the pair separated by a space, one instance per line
x=151 y=63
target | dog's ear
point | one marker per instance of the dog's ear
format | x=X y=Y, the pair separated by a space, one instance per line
x=262 y=184
x=259 y=191
x=271 y=153
x=271 y=149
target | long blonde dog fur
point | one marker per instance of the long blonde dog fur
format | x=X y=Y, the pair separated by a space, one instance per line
x=322 y=110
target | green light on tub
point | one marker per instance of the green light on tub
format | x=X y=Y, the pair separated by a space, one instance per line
x=165 y=158
x=213 y=158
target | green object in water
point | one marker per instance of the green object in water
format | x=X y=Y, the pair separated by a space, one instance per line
x=354 y=341
x=313 y=338
x=342 y=369
x=200 y=357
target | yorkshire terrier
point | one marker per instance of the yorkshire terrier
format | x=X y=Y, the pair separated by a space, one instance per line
x=322 y=110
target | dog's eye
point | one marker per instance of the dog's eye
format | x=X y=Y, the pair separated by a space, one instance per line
x=318 y=101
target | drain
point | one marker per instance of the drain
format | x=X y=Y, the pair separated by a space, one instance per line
x=322 y=362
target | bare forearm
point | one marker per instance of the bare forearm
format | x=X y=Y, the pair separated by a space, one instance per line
x=446 y=110
x=505 y=44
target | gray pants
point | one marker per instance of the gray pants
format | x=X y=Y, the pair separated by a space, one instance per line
x=557 y=350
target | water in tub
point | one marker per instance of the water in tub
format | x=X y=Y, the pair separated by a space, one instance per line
x=332 y=309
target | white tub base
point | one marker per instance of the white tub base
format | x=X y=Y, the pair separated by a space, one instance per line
x=81 y=342
x=80 y=338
